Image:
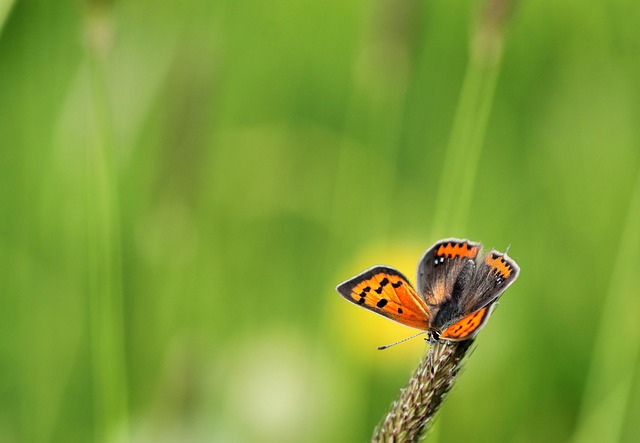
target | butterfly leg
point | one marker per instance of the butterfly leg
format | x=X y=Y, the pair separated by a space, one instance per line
x=432 y=337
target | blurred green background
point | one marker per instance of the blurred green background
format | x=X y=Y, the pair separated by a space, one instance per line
x=184 y=183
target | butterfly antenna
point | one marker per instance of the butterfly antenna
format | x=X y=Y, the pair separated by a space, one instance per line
x=382 y=348
x=507 y=251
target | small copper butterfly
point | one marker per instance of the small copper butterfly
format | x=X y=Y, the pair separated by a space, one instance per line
x=456 y=291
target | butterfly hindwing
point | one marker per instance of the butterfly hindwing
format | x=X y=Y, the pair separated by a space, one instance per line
x=468 y=326
x=387 y=292
x=440 y=267
x=492 y=276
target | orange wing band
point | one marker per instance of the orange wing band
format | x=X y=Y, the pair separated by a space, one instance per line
x=468 y=327
x=455 y=250
x=499 y=265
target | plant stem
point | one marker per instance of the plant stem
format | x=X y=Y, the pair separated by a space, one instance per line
x=614 y=362
x=455 y=191
x=106 y=310
x=5 y=9
x=412 y=412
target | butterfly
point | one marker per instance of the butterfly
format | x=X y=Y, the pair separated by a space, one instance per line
x=456 y=291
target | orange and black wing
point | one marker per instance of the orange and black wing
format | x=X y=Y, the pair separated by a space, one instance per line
x=387 y=292
x=492 y=276
x=468 y=326
x=440 y=267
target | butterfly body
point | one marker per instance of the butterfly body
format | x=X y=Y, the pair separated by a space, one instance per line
x=456 y=291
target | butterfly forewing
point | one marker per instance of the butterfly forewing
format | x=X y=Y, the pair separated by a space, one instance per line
x=387 y=292
x=440 y=266
x=492 y=276
x=468 y=326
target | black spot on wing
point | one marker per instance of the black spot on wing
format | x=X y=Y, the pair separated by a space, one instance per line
x=346 y=288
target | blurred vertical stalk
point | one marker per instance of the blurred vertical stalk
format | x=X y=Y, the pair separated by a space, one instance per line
x=5 y=9
x=614 y=362
x=462 y=156
x=103 y=238
x=413 y=412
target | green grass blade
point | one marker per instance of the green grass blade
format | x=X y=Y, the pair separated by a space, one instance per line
x=5 y=9
x=615 y=355
x=455 y=191
x=104 y=252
